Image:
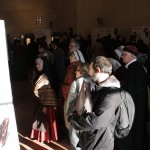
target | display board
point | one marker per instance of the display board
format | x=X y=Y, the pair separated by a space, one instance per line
x=141 y=33
x=103 y=32
x=8 y=129
x=39 y=33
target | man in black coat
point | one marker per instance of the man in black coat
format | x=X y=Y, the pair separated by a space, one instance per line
x=59 y=63
x=135 y=82
x=97 y=127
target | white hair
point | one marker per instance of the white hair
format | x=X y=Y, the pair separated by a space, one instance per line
x=39 y=60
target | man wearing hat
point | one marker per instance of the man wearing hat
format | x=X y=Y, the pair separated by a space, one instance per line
x=135 y=82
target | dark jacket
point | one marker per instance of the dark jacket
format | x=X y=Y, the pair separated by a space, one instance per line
x=97 y=130
x=59 y=63
x=135 y=82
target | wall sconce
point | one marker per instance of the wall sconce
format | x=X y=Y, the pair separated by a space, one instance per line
x=38 y=20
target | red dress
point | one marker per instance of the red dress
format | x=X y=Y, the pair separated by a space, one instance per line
x=47 y=130
x=44 y=128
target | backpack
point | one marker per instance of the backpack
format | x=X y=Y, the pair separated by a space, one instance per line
x=124 y=115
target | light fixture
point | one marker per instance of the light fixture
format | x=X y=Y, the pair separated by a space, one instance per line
x=38 y=20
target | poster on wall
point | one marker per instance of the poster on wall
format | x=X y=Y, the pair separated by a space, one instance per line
x=8 y=129
x=103 y=32
x=141 y=33
x=39 y=33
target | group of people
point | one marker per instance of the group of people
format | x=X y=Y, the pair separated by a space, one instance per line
x=58 y=88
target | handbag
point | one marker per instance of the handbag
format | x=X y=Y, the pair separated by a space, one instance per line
x=83 y=102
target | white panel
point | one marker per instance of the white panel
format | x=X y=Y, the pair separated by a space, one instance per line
x=6 y=101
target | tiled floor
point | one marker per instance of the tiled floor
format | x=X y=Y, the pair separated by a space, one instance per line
x=23 y=102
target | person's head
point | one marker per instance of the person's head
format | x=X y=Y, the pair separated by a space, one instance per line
x=100 y=68
x=42 y=48
x=74 y=45
x=32 y=39
x=39 y=64
x=55 y=42
x=76 y=55
x=44 y=38
x=129 y=53
x=82 y=69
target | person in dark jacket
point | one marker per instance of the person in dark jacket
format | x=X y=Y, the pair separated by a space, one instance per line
x=135 y=82
x=59 y=64
x=96 y=129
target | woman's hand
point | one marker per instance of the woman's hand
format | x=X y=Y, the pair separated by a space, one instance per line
x=44 y=110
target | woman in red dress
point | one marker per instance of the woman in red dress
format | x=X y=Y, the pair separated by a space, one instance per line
x=44 y=127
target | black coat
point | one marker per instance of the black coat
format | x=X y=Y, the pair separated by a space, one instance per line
x=97 y=131
x=59 y=64
x=135 y=82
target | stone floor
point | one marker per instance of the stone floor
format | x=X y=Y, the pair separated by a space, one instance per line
x=23 y=102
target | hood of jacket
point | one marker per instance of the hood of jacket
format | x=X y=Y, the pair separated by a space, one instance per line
x=110 y=82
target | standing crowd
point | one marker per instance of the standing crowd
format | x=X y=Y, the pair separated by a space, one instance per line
x=60 y=75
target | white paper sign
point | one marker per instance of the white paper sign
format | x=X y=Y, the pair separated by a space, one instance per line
x=6 y=101
x=141 y=33
x=103 y=32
